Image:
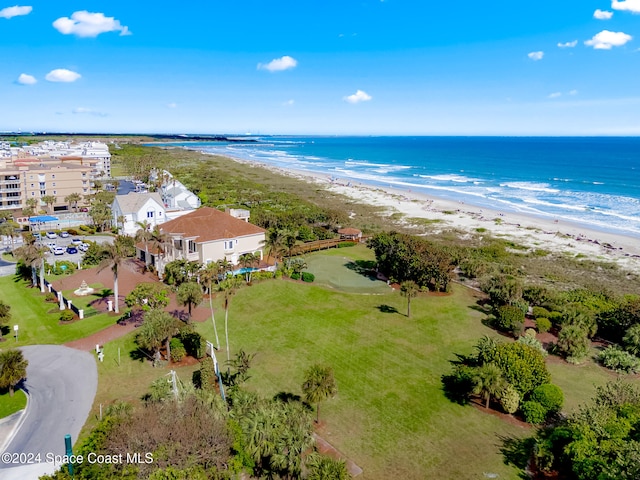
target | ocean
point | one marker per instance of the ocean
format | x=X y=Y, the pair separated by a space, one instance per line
x=593 y=181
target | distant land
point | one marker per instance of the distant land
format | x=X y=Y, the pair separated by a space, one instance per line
x=164 y=137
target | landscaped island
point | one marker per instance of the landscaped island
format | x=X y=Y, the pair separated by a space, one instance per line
x=417 y=345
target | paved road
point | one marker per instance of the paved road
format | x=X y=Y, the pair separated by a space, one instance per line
x=61 y=383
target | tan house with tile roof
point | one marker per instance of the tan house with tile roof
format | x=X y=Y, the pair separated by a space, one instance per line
x=208 y=235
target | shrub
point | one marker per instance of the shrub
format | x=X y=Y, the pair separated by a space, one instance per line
x=178 y=351
x=632 y=339
x=308 y=277
x=205 y=377
x=540 y=312
x=543 y=324
x=50 y=297
x=295 y=276
x=459 y=385
x=84 y=228
x=522 y=366
x=194 y=344
x=573 y=343
x=533 y=412
x=619 y=360
x=346 y=244
x=66 y=315
x=72 y=231
x=529 y=338
x=510 y=400
x=509 y=318
x=550 y=396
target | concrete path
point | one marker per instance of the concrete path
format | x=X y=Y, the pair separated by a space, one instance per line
x=61 y=384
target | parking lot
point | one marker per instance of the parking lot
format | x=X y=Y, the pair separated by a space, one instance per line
x=63 y=243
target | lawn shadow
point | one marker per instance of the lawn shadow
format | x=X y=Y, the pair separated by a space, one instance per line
x=366 y=268
x=140 y=355
x=387 y=309
x=287 y=397
x=517 y=452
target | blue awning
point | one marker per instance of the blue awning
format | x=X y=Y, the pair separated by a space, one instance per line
x=43 y=218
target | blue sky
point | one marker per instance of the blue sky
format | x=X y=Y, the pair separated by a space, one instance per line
x=330 y=67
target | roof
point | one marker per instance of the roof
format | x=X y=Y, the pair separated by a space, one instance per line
x=132 y=202
x=349 y=231
x=209 y=224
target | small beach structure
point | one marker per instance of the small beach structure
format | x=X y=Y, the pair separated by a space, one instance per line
x=350 y=233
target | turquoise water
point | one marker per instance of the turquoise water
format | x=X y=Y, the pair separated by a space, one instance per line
x=594 y=181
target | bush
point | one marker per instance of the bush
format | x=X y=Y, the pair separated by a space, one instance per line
x=194 y=344
x=178 y=351
x=50 y=297
x=295 y=276
x=72 y=231
x=509 y=318
x=619 y=360
x=205 y=377
x=529 y=338
x=346 y=244
x=533 y=412
x=543 y=324
x=510 y=400
x=573 y=343
x=550 y=396
x=523 y=367
x=540 y=312
x=308 y=277
x=66 y=315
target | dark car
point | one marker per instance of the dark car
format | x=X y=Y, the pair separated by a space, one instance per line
x=71 y=249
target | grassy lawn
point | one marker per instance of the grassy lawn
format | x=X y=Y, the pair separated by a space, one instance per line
x=390 y=415
x=38 y=320
x=343 y=273
x=10 y=405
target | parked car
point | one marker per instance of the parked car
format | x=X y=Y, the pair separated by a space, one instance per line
x=64 y=234
x=37 y=236
x=83 y=247
x=52 y=235
x=58 y=251
x=76 y=242
x=51 y=245
x=71 y=249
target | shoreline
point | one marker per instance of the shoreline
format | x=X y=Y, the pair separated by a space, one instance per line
x=530 y=231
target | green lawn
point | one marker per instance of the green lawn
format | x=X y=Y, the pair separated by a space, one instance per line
x=390 y=415
x=10 y=405
x=38 y=320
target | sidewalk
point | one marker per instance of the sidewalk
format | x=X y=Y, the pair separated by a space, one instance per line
x=7 y=427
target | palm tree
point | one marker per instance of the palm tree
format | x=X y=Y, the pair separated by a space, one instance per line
x=159 y=326
x=485 y=347
x=31 y=204
x=8 y=229
x=228 y=287
x=49 y=200
x=72 y=199
x=274 y=242
x=409 y=289
x=249 y=261
x=189 y=293
x=114 y=257
x=210 y=273
x=159 y=241
x=319 y=384
x=33 y=255
x=489 y=382
x=322 y=467
x=5 y=315
x=13 y=368
x=144 y=234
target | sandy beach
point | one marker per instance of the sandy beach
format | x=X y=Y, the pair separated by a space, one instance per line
x=533 y=232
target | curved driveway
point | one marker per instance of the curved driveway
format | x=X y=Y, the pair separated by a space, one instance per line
x=61 y=383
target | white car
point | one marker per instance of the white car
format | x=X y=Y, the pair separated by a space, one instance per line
x=64 y=234
x=52 y=235
x=83 y=247
x=58 y=251
x=76 y=241
x=51 y=245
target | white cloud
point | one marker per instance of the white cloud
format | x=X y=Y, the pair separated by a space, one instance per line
x=16 y=11
x=279 y=64
x=568 y=44
x=606 y=39
x=555 y=95
x=573 y=92
x=25 y=79
x=88 y=111
x=632 y=6
x=62 y=75
x=359 y=96
x=535 y=56
x=602 y=14
x=288 y=103
x=88 y=24
x=172 y=105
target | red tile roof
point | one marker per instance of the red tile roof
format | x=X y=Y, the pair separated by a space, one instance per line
x=209 y=224
x=349 y=231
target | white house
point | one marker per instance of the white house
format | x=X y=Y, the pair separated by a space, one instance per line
x=207 y=235
x=133 y=207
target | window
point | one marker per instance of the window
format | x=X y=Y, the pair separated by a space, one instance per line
x=54 y=184
x=192 y=246
x=53 y=176
x=55 y=193
x=150 y=214
x=228 y=244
